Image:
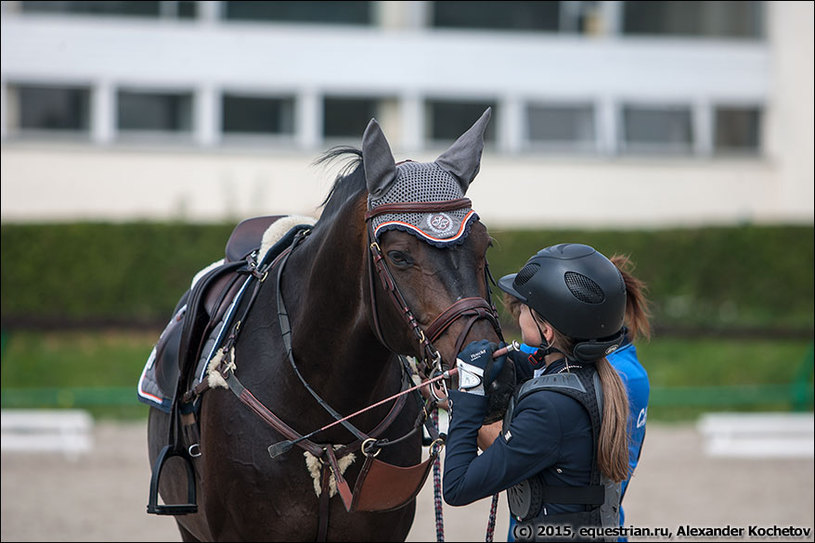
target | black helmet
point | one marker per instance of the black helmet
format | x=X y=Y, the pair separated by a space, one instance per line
x=578 y=291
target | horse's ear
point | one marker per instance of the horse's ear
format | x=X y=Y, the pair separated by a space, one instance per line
x=463 y=158
x=380 y=167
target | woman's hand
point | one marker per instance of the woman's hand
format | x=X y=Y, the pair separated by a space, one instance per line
x=488 y=433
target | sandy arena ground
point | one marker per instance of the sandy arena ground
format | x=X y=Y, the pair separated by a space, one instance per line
x=101 y=496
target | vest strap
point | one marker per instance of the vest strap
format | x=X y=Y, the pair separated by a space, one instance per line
x=584 y=495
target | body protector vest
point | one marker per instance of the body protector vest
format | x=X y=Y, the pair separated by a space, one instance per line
x=601 y=497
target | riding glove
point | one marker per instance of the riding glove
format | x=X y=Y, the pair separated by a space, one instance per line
x=476 y=367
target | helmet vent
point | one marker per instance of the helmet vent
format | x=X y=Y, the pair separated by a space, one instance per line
x=583 y=288
x=526 y=273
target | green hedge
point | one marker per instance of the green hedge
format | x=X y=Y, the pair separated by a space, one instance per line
x=718 y=278
x=89 y=272
x=133 y=273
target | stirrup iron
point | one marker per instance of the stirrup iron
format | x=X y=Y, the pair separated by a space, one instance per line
x=153 y=507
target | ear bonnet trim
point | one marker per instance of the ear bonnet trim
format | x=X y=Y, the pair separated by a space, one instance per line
x=440 y=223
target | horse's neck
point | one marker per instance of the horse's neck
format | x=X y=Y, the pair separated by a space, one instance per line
x=324 y=286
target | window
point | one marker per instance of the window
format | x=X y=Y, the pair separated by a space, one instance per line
x=157 y=112
x=448 y=119
x=561 y=126
x=659 y=129
x=257 y=115
x=358 y=13
x=509 y=15
x=181 y=9
x=64 y=109
x=347 y=117
x=186 y=10
x=737 y=130
x=694 y=18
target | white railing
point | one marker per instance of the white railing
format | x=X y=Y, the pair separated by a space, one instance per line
x=758 y=435
x=68 y=431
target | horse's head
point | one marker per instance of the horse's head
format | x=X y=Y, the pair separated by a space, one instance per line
x=429 y=279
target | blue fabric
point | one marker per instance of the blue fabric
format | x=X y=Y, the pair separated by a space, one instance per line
x=528 y=349
x=635 y=379
x=549 y=433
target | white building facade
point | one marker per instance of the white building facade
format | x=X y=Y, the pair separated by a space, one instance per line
x=605 y=114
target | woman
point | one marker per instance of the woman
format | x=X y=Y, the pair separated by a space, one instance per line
x=625 y=360
x=563 y=449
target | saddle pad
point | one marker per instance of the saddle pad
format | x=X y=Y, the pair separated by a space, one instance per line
x=150 y=390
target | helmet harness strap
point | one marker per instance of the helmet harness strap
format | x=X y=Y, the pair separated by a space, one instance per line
x=545 y=347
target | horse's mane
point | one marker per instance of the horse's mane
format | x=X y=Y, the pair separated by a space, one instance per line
x=350 y=180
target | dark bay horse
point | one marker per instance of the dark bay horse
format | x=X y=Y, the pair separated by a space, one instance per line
x=383 y=225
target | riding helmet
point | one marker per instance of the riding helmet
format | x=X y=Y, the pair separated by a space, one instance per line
x=578 y=291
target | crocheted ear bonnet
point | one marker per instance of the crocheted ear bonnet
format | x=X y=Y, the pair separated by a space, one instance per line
x=447 y=178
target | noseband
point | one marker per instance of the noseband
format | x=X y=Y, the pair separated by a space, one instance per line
x=472 y=308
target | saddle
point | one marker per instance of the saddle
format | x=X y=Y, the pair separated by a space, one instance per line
x=189 y=339
x=178 y=354
x=205 y=305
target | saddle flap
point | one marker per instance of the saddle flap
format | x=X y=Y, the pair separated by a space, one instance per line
x=198 y=321
x=166 y=361
x=385 y=487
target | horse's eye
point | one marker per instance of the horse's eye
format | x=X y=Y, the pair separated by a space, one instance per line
x=400 y=259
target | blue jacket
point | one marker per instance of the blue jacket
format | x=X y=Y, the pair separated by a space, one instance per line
x=635 y=379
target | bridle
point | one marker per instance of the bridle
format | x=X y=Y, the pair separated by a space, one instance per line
x=472 y=308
